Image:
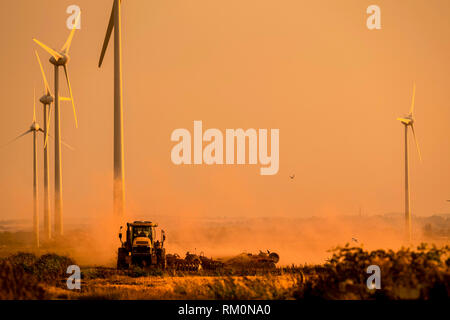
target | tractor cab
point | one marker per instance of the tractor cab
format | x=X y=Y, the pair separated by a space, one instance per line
x=141 y=246
x=140 y=236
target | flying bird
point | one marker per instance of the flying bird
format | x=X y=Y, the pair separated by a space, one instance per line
x=354 y=239
x=292 y=177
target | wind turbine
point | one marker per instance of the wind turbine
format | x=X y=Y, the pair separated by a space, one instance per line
x=408 y=121
x=119 y=187
x=34 y=128
x=60 y=59
x=46 y=101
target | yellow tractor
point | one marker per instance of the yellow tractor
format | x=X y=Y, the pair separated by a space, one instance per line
x=141 y=247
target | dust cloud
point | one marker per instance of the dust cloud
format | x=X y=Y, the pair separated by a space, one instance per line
x=92 y=239
x=297 y=241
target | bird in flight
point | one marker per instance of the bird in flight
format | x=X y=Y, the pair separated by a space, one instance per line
x=354 y=239
x=292 y=177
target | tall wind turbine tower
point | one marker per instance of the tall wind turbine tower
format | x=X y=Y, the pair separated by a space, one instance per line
x=408 y=121
x=60 y=59
x=119 y=187
x=34 y=128
x=46 y=101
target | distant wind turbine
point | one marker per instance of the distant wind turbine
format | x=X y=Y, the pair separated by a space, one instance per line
x=119 y=187
x=34 y=128
x=58 y=59
x=46 y=101
x=408 y=121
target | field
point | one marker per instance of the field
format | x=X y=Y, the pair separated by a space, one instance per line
x=423 y=273
x=332 y=272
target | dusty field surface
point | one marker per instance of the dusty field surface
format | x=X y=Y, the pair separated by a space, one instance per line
x=109 y=284
x=421 y=273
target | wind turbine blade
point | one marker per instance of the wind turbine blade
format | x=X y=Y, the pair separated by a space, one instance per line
x=68 y=145
x=66 y=46
x=48 y=126
x=107 y=36
x=43 y=73
x=417 y=144
x=413 y=98
x=55 y=54
x=16 y=138
x=62 y=141
x=34 y=105
x=71 y=95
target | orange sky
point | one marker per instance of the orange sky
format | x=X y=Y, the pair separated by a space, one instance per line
x=309 y=68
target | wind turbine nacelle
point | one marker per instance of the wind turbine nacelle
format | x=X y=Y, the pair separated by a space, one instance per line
x=46 y=99
x=35 y=127
x=61 y=61
x=407 y=121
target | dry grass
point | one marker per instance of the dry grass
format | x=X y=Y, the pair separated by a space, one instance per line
x=188 y=287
